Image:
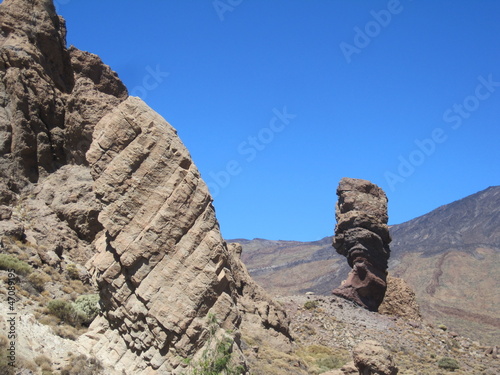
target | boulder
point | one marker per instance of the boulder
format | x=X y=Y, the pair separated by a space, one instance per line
x=400 y=300
x=371 y=358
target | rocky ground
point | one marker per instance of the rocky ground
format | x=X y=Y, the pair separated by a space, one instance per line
x=417 y=347
x=326 y=329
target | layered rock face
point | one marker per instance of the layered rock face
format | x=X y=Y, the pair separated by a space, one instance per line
x=362 y=235
x=162 y=266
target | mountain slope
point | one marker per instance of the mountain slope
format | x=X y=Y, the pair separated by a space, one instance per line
x=450 y=257
x=465 y=225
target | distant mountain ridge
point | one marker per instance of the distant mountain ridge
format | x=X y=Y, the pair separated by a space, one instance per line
x=450 y=257
x=461 y=225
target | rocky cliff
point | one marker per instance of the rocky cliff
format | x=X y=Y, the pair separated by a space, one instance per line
x=161 y=265
x=52 y=96
x=91 y=175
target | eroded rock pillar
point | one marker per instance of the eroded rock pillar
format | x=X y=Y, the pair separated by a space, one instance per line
x=362 y=236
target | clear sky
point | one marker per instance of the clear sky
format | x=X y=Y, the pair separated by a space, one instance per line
x=278 y=99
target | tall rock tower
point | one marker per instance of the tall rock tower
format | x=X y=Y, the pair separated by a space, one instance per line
x=362 y=236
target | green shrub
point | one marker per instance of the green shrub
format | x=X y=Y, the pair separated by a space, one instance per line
x=88 y=307
x=9 y=262
x=66 y=311
x=309 y=305
x=448 y=364
x=442 y=327
x=215 y=361
x=321 y=359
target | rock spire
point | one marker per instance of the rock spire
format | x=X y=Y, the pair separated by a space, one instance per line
x=362 y=236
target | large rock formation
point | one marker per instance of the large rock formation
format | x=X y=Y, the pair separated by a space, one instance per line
x=51 y=96
x=362 y=235
x=162 y=266
x=90 y=173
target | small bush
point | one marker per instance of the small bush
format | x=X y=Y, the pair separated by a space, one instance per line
x=307 y=330
x=442 y=327
x=9 y=262
x=66 y=311
x=44 y=363
x=41 y=359
x=66 y=332
x=320 y=358
x=72 y=271
x=330 y=362
x=77 y=286
x=67 y=289
x=88 y=307
x=38 y=279
x=48 y=320
x=309 y=305
x=448 y=364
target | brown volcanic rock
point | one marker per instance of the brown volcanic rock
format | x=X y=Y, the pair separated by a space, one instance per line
x=370 y=357
x=400 y=300
x=45 y=92
x=51 y=98
x=362 y=235
x=96 y=91
x=76 y=203
x=162 y=266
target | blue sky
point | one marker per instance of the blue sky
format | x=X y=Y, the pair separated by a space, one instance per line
x=278 y=100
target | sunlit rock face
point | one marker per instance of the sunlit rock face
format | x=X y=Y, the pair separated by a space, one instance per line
x=161 y=265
